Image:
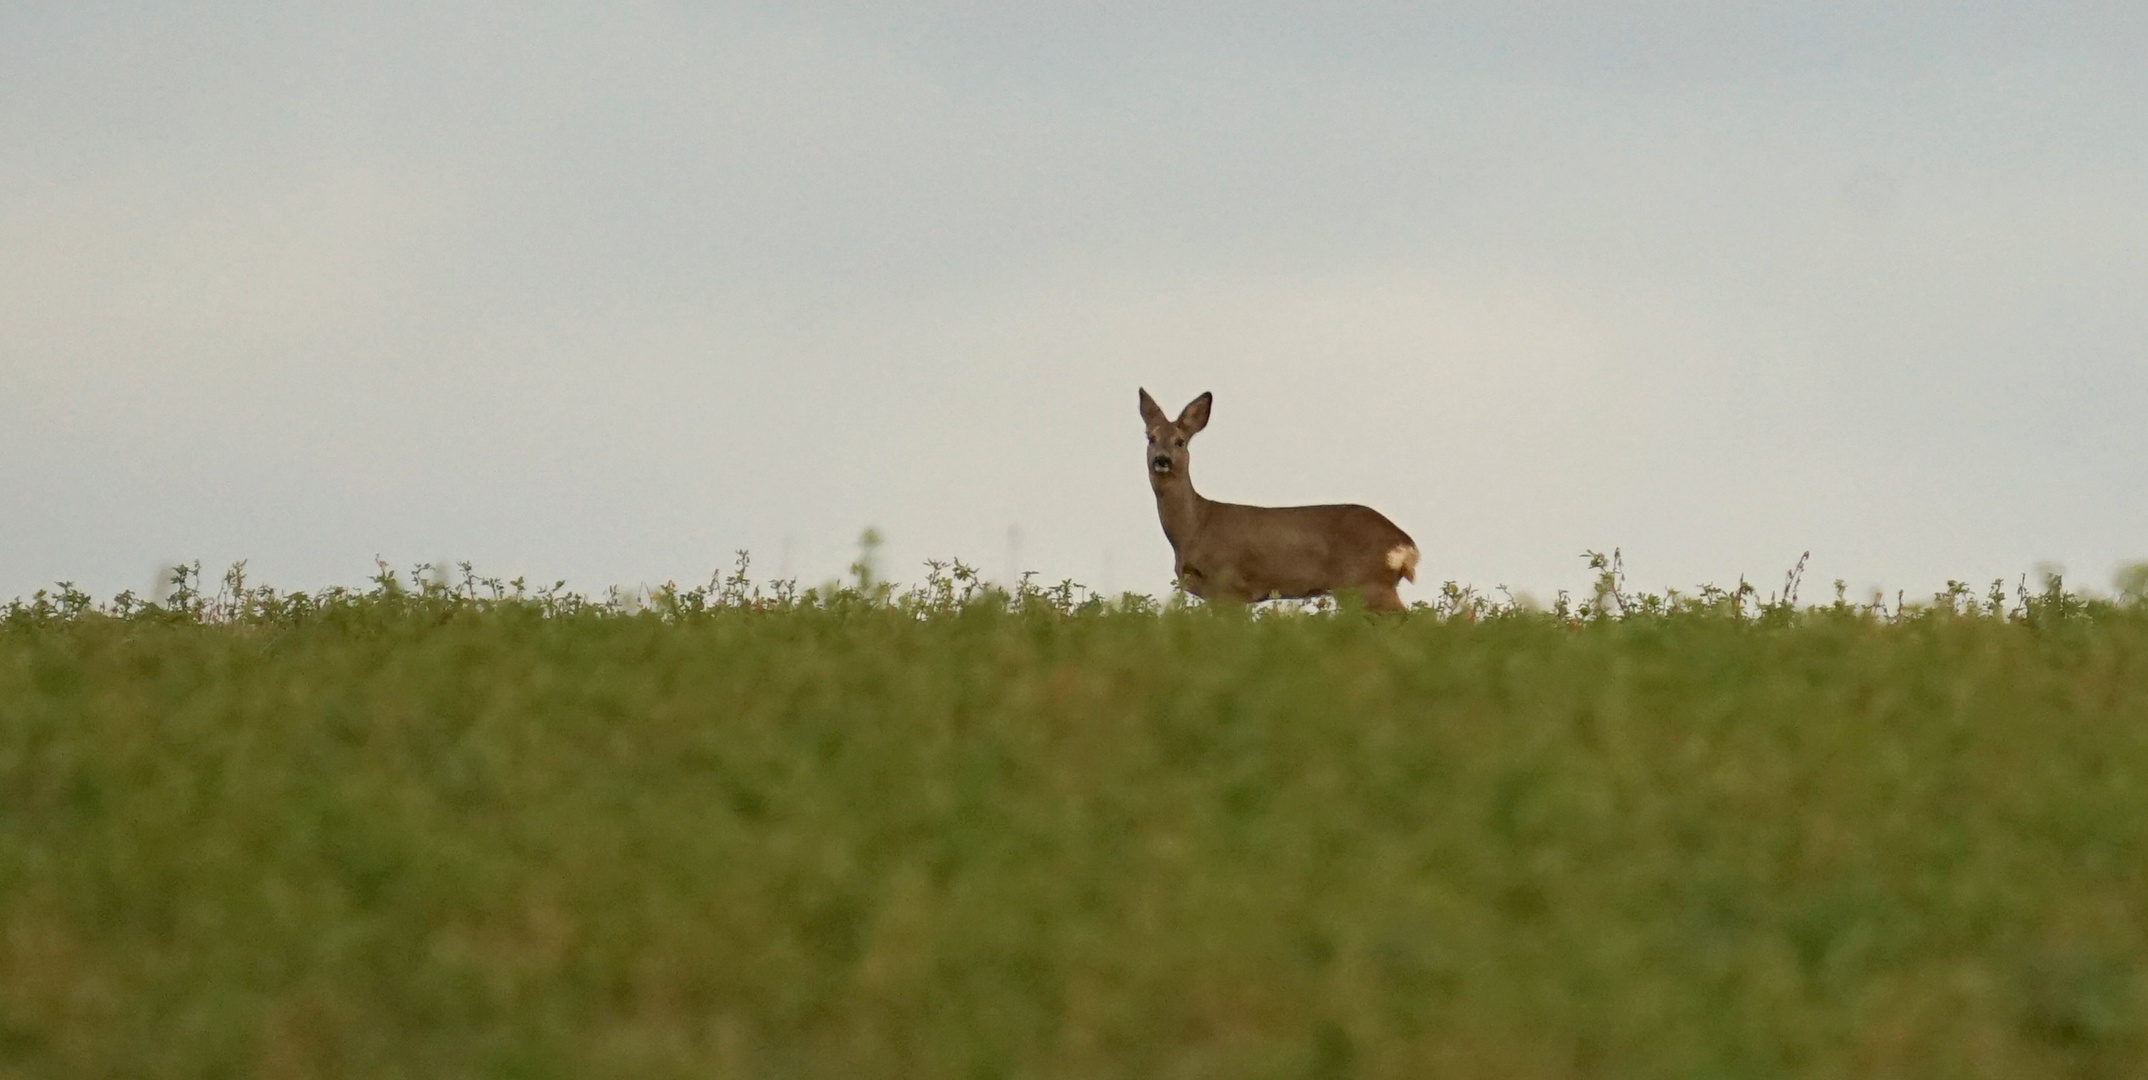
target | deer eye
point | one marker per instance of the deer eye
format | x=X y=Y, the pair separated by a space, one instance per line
x=1182 y=442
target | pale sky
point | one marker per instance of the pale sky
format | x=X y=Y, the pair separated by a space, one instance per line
x=603 y=292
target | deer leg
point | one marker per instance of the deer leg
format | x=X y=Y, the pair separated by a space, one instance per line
x=1192 y=580
x=1226 y=585
x=1383 y=598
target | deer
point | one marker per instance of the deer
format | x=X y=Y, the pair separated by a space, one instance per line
x=1242 y=554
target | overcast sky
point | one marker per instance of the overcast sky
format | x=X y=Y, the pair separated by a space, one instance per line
x=604 y=292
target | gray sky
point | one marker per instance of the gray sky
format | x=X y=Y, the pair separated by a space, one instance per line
x=604 y=292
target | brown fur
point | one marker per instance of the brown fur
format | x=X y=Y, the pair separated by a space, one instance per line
x=1226 y=551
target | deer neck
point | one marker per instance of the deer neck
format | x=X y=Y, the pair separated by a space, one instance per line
x=1180 y=507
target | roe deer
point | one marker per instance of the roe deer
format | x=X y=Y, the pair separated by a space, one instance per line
x=1225 y=551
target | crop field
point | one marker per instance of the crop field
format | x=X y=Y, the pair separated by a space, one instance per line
x=439 y=828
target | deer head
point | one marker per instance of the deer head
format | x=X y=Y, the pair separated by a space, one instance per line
x=1167 y=455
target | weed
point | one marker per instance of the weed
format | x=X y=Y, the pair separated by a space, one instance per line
x=448 y=824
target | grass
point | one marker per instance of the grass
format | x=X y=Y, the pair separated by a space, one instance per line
x=441 y=830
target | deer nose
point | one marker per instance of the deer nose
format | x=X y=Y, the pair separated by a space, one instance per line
x=1160 y=463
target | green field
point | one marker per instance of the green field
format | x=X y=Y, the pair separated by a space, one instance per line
x=443 y=831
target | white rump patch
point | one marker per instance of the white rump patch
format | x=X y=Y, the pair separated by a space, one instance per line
x=1403 y=558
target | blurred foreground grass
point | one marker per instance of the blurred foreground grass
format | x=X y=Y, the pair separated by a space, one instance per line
x=423 y=833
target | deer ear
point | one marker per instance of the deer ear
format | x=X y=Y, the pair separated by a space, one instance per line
x=1195 y=417
x=1151 y=413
